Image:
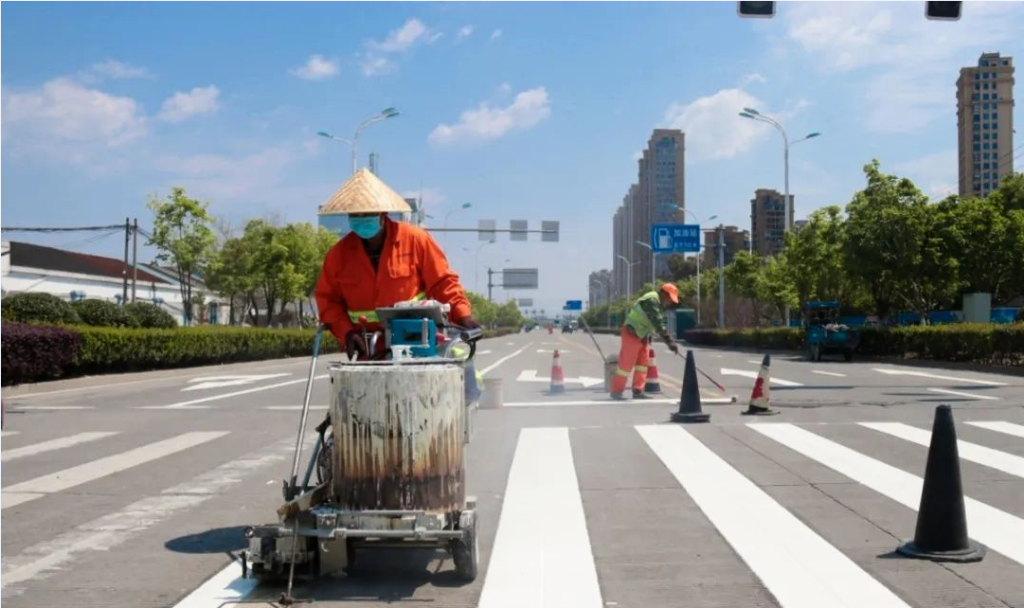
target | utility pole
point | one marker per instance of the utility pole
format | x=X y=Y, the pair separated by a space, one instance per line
x=135 y=256
x=124 y=273
x=490 y=285
x=721 y=277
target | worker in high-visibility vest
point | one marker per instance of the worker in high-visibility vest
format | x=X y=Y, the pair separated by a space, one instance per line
x=380 y=263
x=644 y=320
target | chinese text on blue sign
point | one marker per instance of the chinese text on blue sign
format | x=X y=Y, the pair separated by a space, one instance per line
x=675 y=238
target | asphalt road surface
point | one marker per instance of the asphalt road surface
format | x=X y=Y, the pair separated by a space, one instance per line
x=133 y=491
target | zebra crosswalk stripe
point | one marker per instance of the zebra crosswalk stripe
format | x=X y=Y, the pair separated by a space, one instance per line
x=999 y=426
x=1001 y=461
x=999 y=530
x=53 y=444
x=799 y=567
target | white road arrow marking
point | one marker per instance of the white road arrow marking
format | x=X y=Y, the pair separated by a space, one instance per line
x=206 y=382
x=530 y=375
x=748 y=374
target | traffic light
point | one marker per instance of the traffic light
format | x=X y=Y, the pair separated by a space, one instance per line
x=943 y=11
x=766 y=10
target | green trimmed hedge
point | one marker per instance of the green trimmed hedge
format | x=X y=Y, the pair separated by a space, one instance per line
x=103 y=350
x=100 y=313
x=986 y=343
x=38 y=307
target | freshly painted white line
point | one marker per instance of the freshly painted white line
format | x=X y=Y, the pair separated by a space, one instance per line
x=53 y=444
x=236 y=393
x=13 y=499
x=726 y=371
x=495 y=365
x=56 y=408
x=754 y=361
x=1007 y=463
x=549 y=566
x=610 y=402
x=907 y=372
x=107 y=532
x=482 y=352
x=6 y=433
x=799 y=567
x=295 y=407
x=205 y=382
x=961 y=394
x=999 y=530
x=999 y=426
x=530 y=375
x=822 y=373
x=221 y=589
x=97 y=469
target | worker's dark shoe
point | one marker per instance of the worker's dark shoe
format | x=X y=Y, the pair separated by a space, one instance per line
x=618 y=397
x=641 y=395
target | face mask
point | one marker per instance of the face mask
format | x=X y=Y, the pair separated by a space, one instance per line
x=365 y=227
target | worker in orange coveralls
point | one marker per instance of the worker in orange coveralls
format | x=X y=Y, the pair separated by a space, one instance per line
x=380 y=263
x=644 y=320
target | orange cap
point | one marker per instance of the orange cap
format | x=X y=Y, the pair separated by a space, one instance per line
x=672 y=292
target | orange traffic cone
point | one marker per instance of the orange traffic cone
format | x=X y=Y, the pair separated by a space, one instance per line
x=557 y=376
x=760 y=397
x=652 y=385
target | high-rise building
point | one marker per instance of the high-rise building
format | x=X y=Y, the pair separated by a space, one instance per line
x=984 y=113
x=736 y=240
x=768 y=220
x=600 y=287
x=657 y=197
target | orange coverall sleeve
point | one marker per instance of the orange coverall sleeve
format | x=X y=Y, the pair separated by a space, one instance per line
x=440 y=281
x=329 y=301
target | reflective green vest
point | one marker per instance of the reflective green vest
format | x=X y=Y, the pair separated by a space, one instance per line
x=638 y=320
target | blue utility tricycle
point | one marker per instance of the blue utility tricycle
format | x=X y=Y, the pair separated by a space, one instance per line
x=824 y=332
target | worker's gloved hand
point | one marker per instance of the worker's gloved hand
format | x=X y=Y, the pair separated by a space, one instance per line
x=354 y=344
x=470 y=323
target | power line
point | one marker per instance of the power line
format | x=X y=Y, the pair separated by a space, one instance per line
x=70 y=229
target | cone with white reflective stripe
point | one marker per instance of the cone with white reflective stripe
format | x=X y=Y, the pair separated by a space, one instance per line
x=760 y=396
x=941 y=533
x=653 y=384
x=557 y=376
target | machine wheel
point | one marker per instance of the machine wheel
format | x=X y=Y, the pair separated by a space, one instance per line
x=848 y=355
x=815 y=352
x=466 y=551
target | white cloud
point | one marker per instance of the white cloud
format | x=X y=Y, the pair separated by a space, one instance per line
x=432 y=198
x=464 y=32
x=936 y=174
x=317 y=68
x=374 y=65
x=752 y=78
x=63 y=112
x=496 y=34
x=182 y=106
x=113 y=70
x=403 y=38
x=486 y=123
x=912 y=60
x=712 y=125
x=504 y=88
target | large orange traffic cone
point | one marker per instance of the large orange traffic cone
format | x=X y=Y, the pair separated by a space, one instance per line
x=760 y=397
x=557 y=376
x=653 y=385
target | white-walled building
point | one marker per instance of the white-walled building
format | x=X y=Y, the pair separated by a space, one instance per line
x=75 y=276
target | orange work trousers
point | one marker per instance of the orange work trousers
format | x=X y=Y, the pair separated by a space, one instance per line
x=633 y=357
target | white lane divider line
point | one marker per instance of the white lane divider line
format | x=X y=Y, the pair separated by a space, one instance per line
x=824 y=373
x=962 y=394
x=543 y=566
x=53 y=444
x=726 y=371
x=495 y=365
x=907 y=372
x=483 y=352
x=999 y=530
x=222 y=589
x=247 y=391
x=1007 y=463
x=312 y=408
x=109 y=531
x=91 y=471
x=8 y=433
x=1000 y=426
x=799 y=567
x=205 y=382
x=703 y=400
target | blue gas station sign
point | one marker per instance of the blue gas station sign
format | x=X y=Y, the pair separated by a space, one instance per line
x=675 y=238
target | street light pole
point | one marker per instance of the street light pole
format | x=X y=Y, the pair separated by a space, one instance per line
x=653 y=257
x=700 y=235
x=753 y=114
x=448 y=215
x=629 y=276
x=353 y=143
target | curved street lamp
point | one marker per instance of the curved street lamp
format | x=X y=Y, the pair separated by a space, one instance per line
x=384 y=114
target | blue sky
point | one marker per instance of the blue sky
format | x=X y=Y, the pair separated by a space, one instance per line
x=528 y=111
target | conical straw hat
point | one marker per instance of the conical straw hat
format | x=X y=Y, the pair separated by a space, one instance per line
x=365 y=193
